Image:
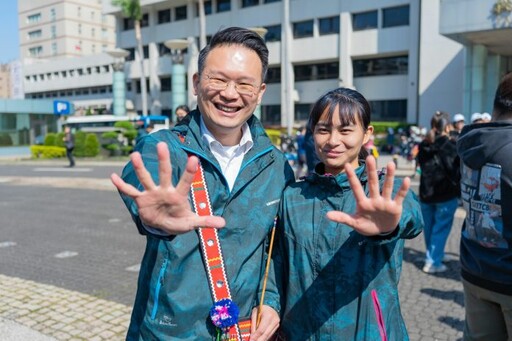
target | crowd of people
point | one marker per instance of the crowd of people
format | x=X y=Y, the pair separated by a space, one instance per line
x=238 y=249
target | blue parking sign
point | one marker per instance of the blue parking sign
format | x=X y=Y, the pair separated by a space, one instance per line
x=61 y=107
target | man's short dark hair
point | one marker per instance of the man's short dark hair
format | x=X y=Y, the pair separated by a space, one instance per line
x=503 y=99
x=237 y=36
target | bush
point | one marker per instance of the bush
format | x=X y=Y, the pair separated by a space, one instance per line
x=49 y=139
x=92 y=145
x=79 y=144
x=5 y=139
x=381 y=127
x=47 y=152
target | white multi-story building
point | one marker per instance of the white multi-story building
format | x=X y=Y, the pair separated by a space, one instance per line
x=409 y=58
x=63 y=28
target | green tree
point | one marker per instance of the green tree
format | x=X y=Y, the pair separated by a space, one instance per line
x=79 y=144
x=49 y=139
x=92 y=145
x=131 y=9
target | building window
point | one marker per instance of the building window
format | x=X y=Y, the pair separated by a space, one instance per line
x=273 y=33
x=163 y=50
x=79 y=28
x=249 y=3
x=381 y=66
x=53 y=14
x=316 y=71
x=145 y=51
x=54 y=49
x=395 y=16
x=53 y=31
x=35 y=34
x=137 y=84
x=269 y=1
x=164 y=16
x=35 y=51
x=329 y=25
x=364 y=21
x=223 y=5
x=144 y=22
x=271 y=114
x=303 y=29
x=34 y=18
x=208 y=8
x=93 y=31
x=302 y=111
x=181 y=13
x=129 y=86
x=165 y=84
x=128 y=24
x=273 y=75
x=390 y=110
x=131 y=56
x=79 y=11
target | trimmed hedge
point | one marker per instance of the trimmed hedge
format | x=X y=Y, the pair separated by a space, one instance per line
x=47 y=152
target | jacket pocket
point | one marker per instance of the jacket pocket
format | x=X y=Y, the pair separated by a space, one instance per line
x=158 y=286
x=378 y=316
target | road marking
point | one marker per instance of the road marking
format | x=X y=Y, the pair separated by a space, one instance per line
x=61 y=169
x=66 y=254
x=133 y=268
x=114 y=220
x=7 y=244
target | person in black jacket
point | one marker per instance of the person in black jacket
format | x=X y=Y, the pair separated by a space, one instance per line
x=69 y=143
x=485 y=150
x=439 y=189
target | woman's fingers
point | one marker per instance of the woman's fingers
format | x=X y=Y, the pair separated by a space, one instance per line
x=373 y=179
x=402 y=192
x=355 y=184
x=387 y=187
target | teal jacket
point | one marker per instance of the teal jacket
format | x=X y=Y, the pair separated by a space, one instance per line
x=339 y=284
x=173 y=297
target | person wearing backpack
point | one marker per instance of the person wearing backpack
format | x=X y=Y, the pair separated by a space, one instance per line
x=439 y=189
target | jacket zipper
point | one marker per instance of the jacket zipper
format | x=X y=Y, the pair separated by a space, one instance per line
x=378 y=315
x=158 y=286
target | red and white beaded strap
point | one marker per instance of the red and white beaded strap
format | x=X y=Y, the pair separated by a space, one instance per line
x=212 y=253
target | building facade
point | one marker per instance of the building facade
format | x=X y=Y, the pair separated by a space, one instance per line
x=63 y=28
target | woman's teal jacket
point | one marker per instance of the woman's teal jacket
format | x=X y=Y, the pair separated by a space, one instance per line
x=337 y=283
x=173 y=297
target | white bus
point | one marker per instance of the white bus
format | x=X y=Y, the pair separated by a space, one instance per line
x=104 y=123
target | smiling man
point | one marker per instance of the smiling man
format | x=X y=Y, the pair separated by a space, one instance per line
x=244 y=175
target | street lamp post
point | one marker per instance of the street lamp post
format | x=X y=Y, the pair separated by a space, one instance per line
x=261 y=31
x=178 y=79
x=118 y=81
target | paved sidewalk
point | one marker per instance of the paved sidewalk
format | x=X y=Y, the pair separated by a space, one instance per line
x=33 y=311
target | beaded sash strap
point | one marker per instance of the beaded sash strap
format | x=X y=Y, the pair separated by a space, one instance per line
x=212 y=256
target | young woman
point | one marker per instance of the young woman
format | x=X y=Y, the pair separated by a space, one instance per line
x=439 y=188
x=341 y=233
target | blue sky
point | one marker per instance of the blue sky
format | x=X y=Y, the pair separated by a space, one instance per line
x=9 y=40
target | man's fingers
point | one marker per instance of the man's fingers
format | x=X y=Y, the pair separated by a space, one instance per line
x=187 y=177
x=124 y=187
x=164 y=165
x=340 y=217
x=142 y=173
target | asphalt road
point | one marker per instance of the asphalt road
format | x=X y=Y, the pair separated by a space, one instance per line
x=75 y=237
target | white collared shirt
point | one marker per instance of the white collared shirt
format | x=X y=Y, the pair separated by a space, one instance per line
x=229 y=157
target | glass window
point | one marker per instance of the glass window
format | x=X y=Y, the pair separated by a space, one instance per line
x=165 y=84
x=34 y=18
x=145 y=51
x=364 y=21
x=144 y=22
x=302 y=111
x=35 y=51
x=53 y=14
x=273 y=33
x=303 y=29
x=271 y=114
x=164 y=16
x=181 y=13
x=395 y=16
x=310 y=72
x=53 y=31
x=128 y=24
x=249 y=3
x=381 y=66
x=208 y=8
x=54 y=49
x=35 y=34
x=163 y=50
x=131 y=55
x=329 y=25
x=269 y=1
x=223 y=5
x=273 y=75
x=389 y=110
